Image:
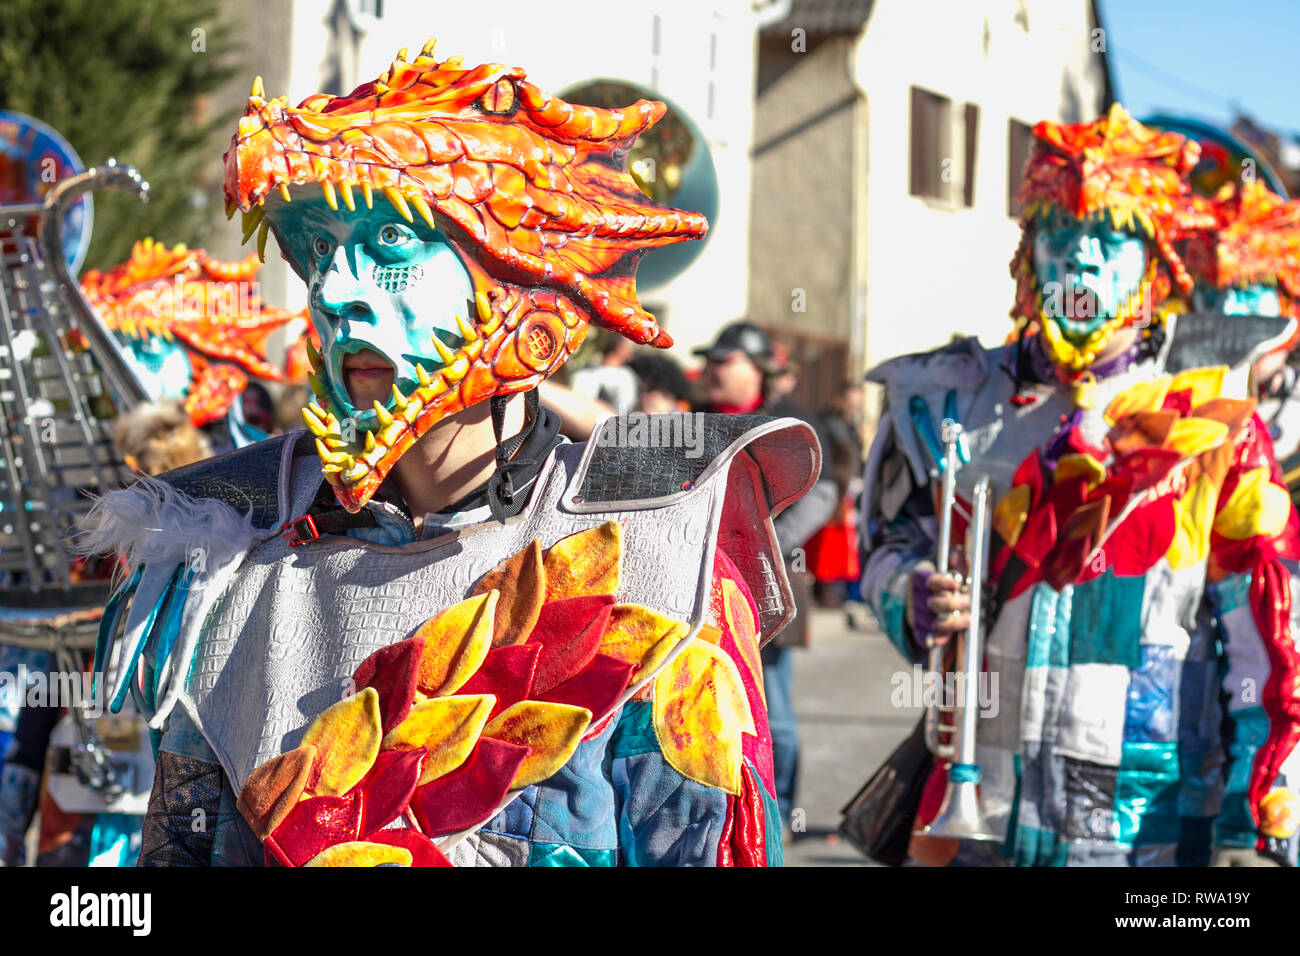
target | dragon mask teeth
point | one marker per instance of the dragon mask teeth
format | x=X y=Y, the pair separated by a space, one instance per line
x=534 y=194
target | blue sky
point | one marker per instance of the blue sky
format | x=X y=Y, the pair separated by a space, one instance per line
x=1202 y=58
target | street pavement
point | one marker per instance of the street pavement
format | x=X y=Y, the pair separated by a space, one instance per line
x=848 y=727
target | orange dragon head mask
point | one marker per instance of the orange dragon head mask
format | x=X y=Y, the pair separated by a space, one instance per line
x=457 y=229
x=193 y=326
x=1249 y=262
x=1115 y=183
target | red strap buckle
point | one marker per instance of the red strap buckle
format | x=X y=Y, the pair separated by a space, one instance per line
x=299 y=531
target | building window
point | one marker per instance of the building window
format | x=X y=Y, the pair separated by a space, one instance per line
x=938 y=170
x=1019 y=141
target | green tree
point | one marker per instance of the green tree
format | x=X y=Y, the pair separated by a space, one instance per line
x=130 y=79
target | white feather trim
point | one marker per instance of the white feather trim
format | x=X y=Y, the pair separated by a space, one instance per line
x=153 y=523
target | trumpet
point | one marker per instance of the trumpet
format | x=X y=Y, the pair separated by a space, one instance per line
x=960 y=815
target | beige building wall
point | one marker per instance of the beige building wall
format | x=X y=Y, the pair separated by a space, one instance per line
x=801 y=241
x=933 y=269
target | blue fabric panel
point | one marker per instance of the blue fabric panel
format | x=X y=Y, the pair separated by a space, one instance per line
x=551 y=854
x=772 y=829
x=1149 y=713
x=516 y=820
x=1106 y=624
x=1235 y=826
x=1049 y=627
x=576 y=806
x=634 y=731
x=115 y=839
x=894 y=613
x=1146 y=795
x=666 y=819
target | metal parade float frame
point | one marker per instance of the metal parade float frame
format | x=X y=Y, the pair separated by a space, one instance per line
x=62 y=377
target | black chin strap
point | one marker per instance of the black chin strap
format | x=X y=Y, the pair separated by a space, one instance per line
x=501 y=490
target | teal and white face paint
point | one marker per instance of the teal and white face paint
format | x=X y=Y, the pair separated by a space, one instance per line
x=161 y=364
x=375 y=282
x=1088 y=270
x=1256 y=299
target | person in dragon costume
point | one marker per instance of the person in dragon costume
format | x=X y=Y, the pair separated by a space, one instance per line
x=427 y=630
x=194 y=328
x=1248 y=263
x=1138 y=533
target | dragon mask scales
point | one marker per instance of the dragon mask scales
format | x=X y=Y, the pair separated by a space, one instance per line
x=517 y=213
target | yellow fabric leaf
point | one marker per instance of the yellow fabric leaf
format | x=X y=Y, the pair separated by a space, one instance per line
x=1011 y=512
x=1257 y=506
x=700 y=712
x=744 y=631
x=448 y=726
x=551 y=732
x=1193 y=522
x=346 y=738
x=1191 y=436
x=1206 y=383
x=585 y=563
x=455 y=643
x=1074 y=465
x=360 y=853
x=1142 y=397
x=638 y=635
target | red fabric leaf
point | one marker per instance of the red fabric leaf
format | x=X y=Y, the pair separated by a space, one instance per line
x=1142 y=538
x=1076 y=442
x=424 y=852
x=506 y=672
x=1270 y=605
x=569 y=630
x=388 y=787
x=272 y=853
x=391 y=671
x=470 y=793
x=597 y=687
x=1179 y=401
x=1066 y=561
x=1030 y=472
x=1037 y=537
x=1146 y=467
x=317 y=823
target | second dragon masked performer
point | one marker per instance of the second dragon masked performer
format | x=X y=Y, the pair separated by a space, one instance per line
x=427 y=630
x=1138 y=533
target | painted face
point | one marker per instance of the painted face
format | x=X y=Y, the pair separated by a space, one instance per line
x=1087 y=271
x=1252 y=300
x=378 y=289
x=163 y=366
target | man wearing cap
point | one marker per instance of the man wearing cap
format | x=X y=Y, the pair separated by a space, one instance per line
x=739 y=366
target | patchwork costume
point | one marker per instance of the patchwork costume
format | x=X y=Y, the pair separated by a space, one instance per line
x=563 y=669
x=1140 y=604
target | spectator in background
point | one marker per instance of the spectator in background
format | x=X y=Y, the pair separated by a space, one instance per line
x=158 y=436
x=740 y=367
x=609 y=380
x=833 y=551
x=663 y=386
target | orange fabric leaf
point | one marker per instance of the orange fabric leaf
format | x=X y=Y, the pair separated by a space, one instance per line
x=638 y=635
x=521 y=582
x=551 y=732
x=273 y=788
x=700 y=712
x=455 y=643
x=347 y=738
x=360 y=853
x=448 y=727
x=585 y=563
